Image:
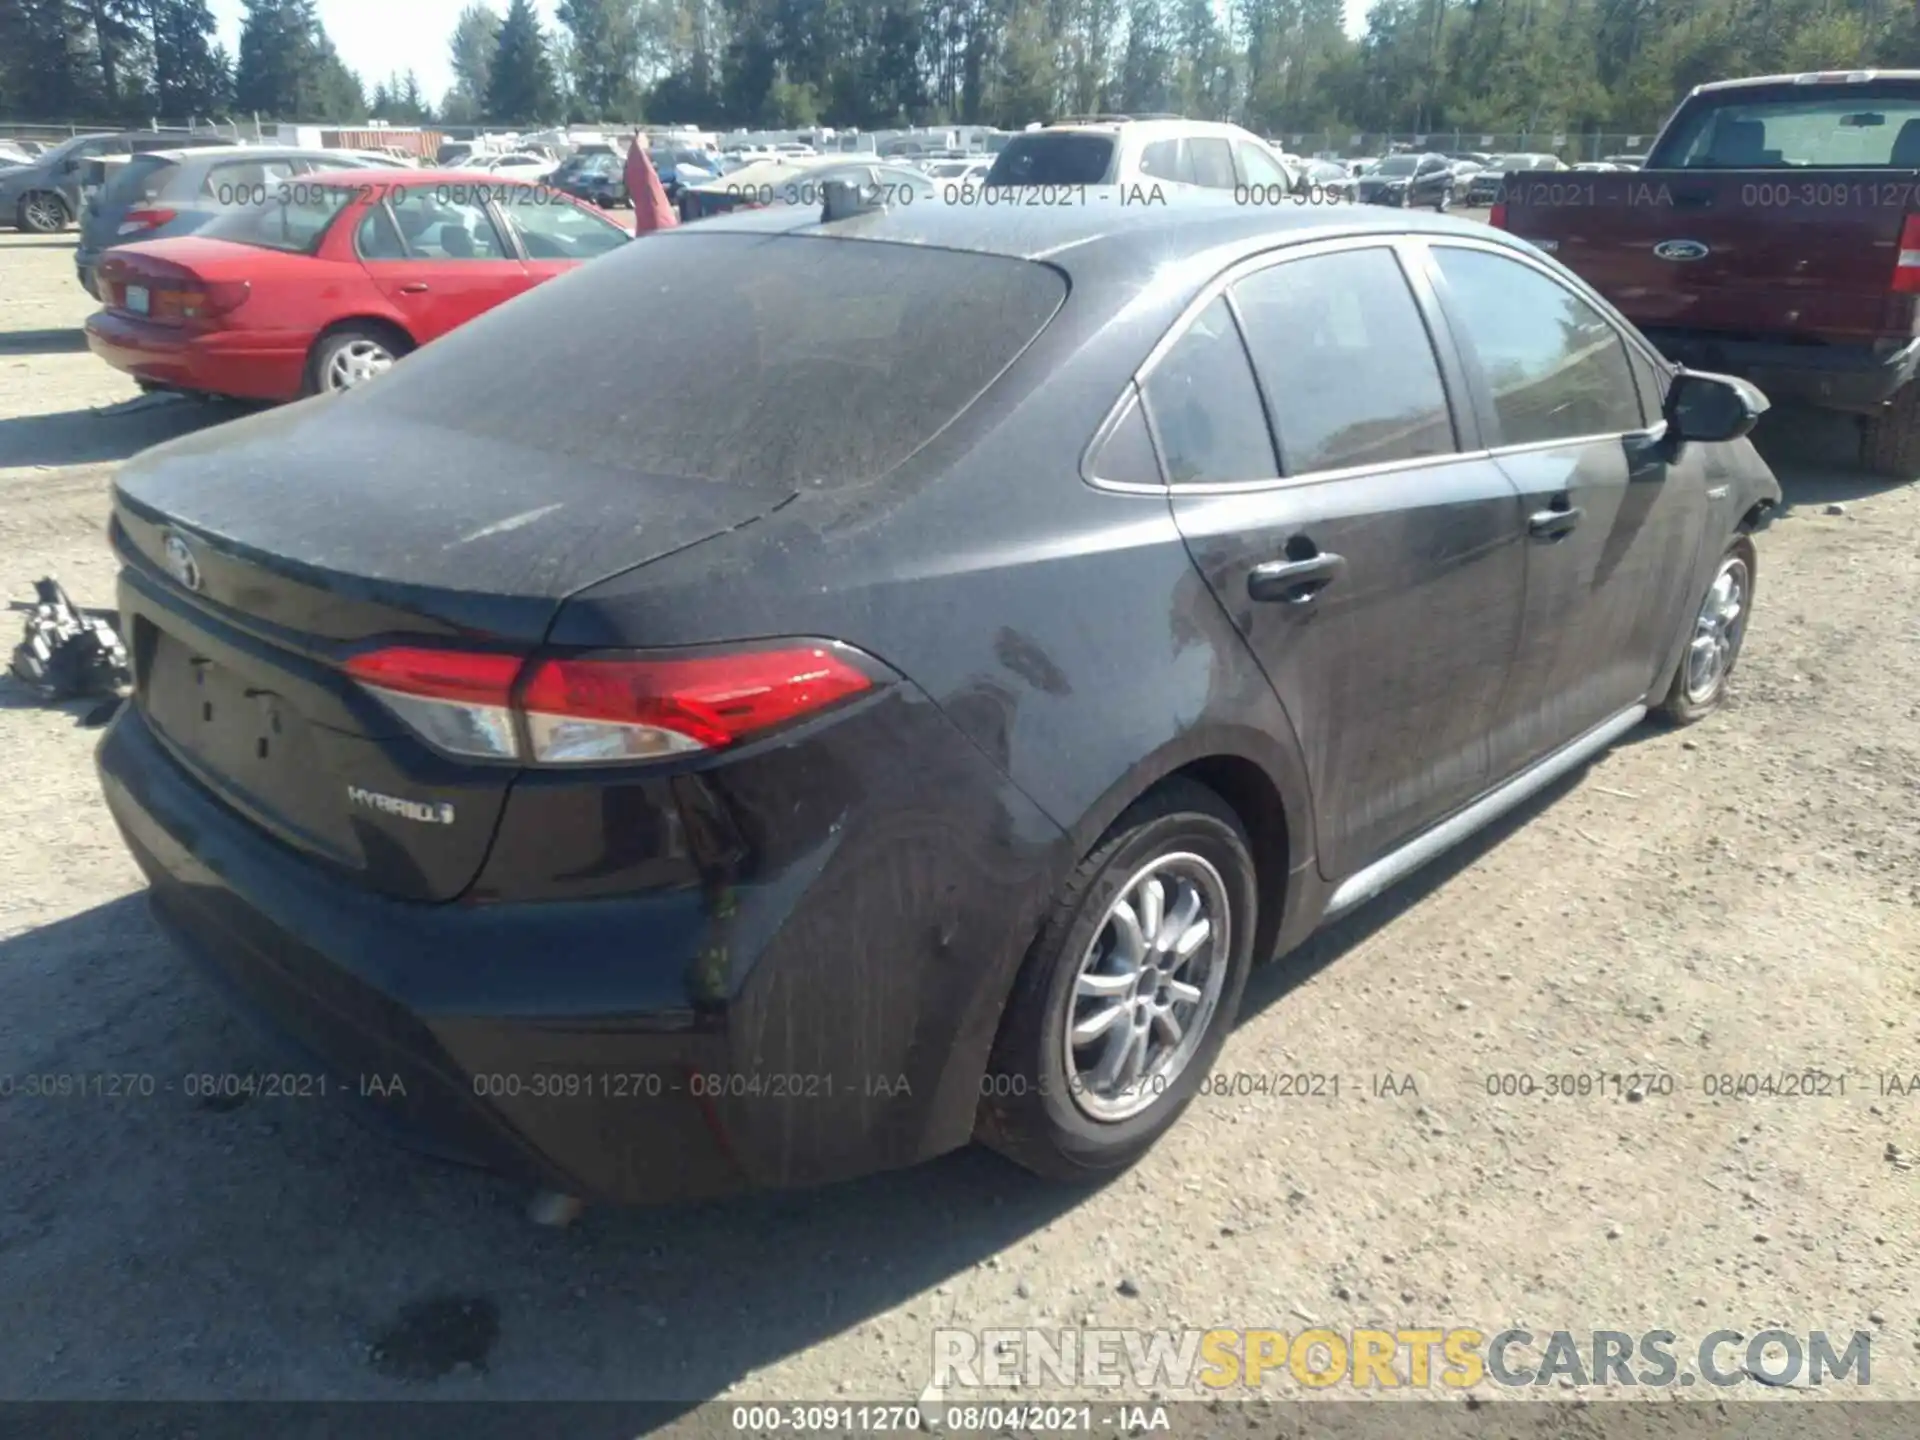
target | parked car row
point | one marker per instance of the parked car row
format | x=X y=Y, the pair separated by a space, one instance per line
x=44 y=195
x=328 y=277
x=167 y=193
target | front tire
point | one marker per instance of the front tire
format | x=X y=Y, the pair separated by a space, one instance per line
x=1890 y=440
x=1445 y=200
x=1129 y=991
x=42 y=212
x=1713 y=642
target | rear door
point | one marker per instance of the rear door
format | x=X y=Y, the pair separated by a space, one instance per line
x=1612 y=534
x=1376 y=566
x=437 y=252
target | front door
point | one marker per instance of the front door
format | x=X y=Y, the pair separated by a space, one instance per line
x=1612 y=528
x=1376 y=567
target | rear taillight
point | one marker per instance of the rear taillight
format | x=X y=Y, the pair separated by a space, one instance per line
x=1497 y=217
x=145 y=218
x=1906 y=269
x=594 y=710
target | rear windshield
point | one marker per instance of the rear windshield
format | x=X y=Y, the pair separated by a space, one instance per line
x=294 y=224
x=1398 y=165
x=1056 y=159
x=141 y=178
x=1857 y=126
x=832 y=360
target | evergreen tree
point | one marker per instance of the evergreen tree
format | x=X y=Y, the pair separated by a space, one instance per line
x=476 y=39
x=521 y=88
x=192 y=75
x=605 y=47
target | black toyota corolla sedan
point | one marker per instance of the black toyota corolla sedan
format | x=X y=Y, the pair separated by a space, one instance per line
x=797 y=696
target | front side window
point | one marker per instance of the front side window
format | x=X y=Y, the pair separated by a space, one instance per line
x=1259 y=166
x=1206 y=408
x=554 y=228
x=1558 y=370
x=1346 y=361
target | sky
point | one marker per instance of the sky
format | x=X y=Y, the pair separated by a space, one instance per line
x=378 y=37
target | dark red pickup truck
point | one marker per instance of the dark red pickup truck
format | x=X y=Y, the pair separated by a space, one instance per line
x=1774 y=234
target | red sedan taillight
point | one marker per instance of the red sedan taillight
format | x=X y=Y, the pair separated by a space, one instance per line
x=596 y=710
x=1497 y=217
x=145 y=218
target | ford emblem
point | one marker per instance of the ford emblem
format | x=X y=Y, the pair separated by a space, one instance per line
x=1680 y=250
x=180 y=562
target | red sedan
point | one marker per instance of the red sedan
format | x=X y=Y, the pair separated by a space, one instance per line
x=325 y=280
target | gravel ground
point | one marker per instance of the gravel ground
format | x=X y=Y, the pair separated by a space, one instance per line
x=1742 y=897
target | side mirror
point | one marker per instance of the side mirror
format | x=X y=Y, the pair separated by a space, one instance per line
x=1711 y=408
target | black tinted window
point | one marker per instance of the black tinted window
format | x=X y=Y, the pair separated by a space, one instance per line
x=1206 y=408
x=1212 y=162
x=1556 y=367
x=836 y=362
x=1346 y=362
x=1053 y=159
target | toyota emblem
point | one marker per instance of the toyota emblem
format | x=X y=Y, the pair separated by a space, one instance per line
x=180 y=562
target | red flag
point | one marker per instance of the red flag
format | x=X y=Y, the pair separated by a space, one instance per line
x=651 y=209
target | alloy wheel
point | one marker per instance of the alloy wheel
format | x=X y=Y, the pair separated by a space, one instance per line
x=45 y=213
x=357 y=362
x=1147 y=986
x=1716 y=631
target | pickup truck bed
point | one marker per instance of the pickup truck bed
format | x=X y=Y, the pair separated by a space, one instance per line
x=1740 y=249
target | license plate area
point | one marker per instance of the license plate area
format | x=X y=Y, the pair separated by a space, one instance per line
x=248 y=742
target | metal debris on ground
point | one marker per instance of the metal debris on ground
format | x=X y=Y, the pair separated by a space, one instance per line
x=68 y=652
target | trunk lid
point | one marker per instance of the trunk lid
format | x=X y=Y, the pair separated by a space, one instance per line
x=258 y=558
x=1766 y=254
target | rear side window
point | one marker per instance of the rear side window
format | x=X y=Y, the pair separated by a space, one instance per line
x=294 y=224
x=441 y=226
x=1164 y=160
x=1346 y=361
x=1557 y=369
x=1059 y=158
x=1212 y=161
x=1206 y=408
x=244 y=182
x=838 y=360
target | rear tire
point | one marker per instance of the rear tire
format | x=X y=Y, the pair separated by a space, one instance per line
x=1890 y=440
x=352 y=354
x=1072 y=1123
x=42 y=212
x=1713 y=639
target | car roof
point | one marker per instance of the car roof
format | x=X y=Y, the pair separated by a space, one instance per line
x=230 y=152
x=1146 y=127
x=1809 y=77
x=1103 y=236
